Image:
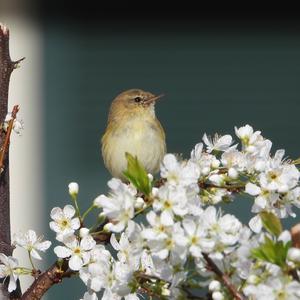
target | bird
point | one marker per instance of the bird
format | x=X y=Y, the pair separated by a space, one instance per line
x=133 y=127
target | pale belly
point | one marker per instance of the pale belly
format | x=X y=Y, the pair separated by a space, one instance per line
x=146 y=143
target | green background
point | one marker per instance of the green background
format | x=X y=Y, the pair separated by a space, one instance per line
x=214 y=78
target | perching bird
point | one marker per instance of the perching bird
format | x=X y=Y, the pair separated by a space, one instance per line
x=133 y=127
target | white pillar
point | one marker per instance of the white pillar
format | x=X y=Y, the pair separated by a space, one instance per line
x=26 y=152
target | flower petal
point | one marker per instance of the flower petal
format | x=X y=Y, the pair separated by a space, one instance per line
x=69 y=211
x=35 y=254
x=62 y=251
x=75 y=263
x=87 y=243
x=43 y=246
x=56 y=213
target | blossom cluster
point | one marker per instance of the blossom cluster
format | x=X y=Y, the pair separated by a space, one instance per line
x=162 y=243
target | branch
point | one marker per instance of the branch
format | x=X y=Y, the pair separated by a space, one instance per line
x=213 y=267
x=46 y=280
x=5 y=147
x=295 y=233
x=6 y=68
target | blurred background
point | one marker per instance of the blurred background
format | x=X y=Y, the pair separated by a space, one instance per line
x=216 y=69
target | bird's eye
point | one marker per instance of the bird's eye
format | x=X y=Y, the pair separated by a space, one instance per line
x=138 y=99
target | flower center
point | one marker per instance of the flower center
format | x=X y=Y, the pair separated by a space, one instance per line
x=64 y=223
x=194 y=240
x=169 y=244
x=77 y=251
x=273 y=175
x=167 y=204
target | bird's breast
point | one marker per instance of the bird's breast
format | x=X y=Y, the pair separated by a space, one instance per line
x=141 y=138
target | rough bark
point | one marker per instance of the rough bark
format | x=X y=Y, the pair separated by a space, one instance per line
x=6 y=68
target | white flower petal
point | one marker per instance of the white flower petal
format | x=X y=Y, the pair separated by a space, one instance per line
x=56 y=213
x=167 y=218
x=62 y=251
x=32 y=237
x=75 y=223
x=35 y=254
x=54 y=226
x=252 y=189
x=255 y=224
x=43 y=246
x=69 y=211
x=115 y=244
x=12 y=284
x=189 y=226
x=87 y=243
x=75 y=263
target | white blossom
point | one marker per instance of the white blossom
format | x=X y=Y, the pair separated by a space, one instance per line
x=63 y=222
x=217 y=143
x=78 y=251
x=224 y=230
x=9 y=268
x=31 y=242
x=171 y=201
x=173 y=244
x=118 y=207
x=197 y=236
x=205 y=161
x=274 y=288
x=179 y=172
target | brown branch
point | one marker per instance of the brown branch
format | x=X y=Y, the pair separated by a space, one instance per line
x=295 y=233
x=232 y=289
x=5 y=146
x=46 y=280
x=6 y=68
x=206 y=185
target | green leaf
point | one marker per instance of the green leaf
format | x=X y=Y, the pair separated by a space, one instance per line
x=137 y=174
x=274 y=252
x=271 y=223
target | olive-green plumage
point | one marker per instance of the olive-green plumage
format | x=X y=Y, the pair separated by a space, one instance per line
x=133 y=127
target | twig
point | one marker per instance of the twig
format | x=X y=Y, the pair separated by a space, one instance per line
x=46 y=280
x=232 y=289
x=5 y=146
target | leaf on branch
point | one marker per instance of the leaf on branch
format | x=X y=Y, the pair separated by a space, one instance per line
x=137 y=174
x=271 y=223
x=271 y=251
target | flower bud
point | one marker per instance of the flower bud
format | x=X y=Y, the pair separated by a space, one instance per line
x=83 y=232
x=215 y=164
x=217 y=295
x=214 y=285
x=294 y=254
x=233 y=173
x=150 y=176
x=139 y=203
x=73 y=188
x=253 y=279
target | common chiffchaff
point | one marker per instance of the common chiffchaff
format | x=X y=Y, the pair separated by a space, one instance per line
x=133 y=127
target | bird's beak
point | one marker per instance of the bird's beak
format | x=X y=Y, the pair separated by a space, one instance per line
x=152 y=99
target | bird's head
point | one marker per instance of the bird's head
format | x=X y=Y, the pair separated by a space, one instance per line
x=132 y=102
